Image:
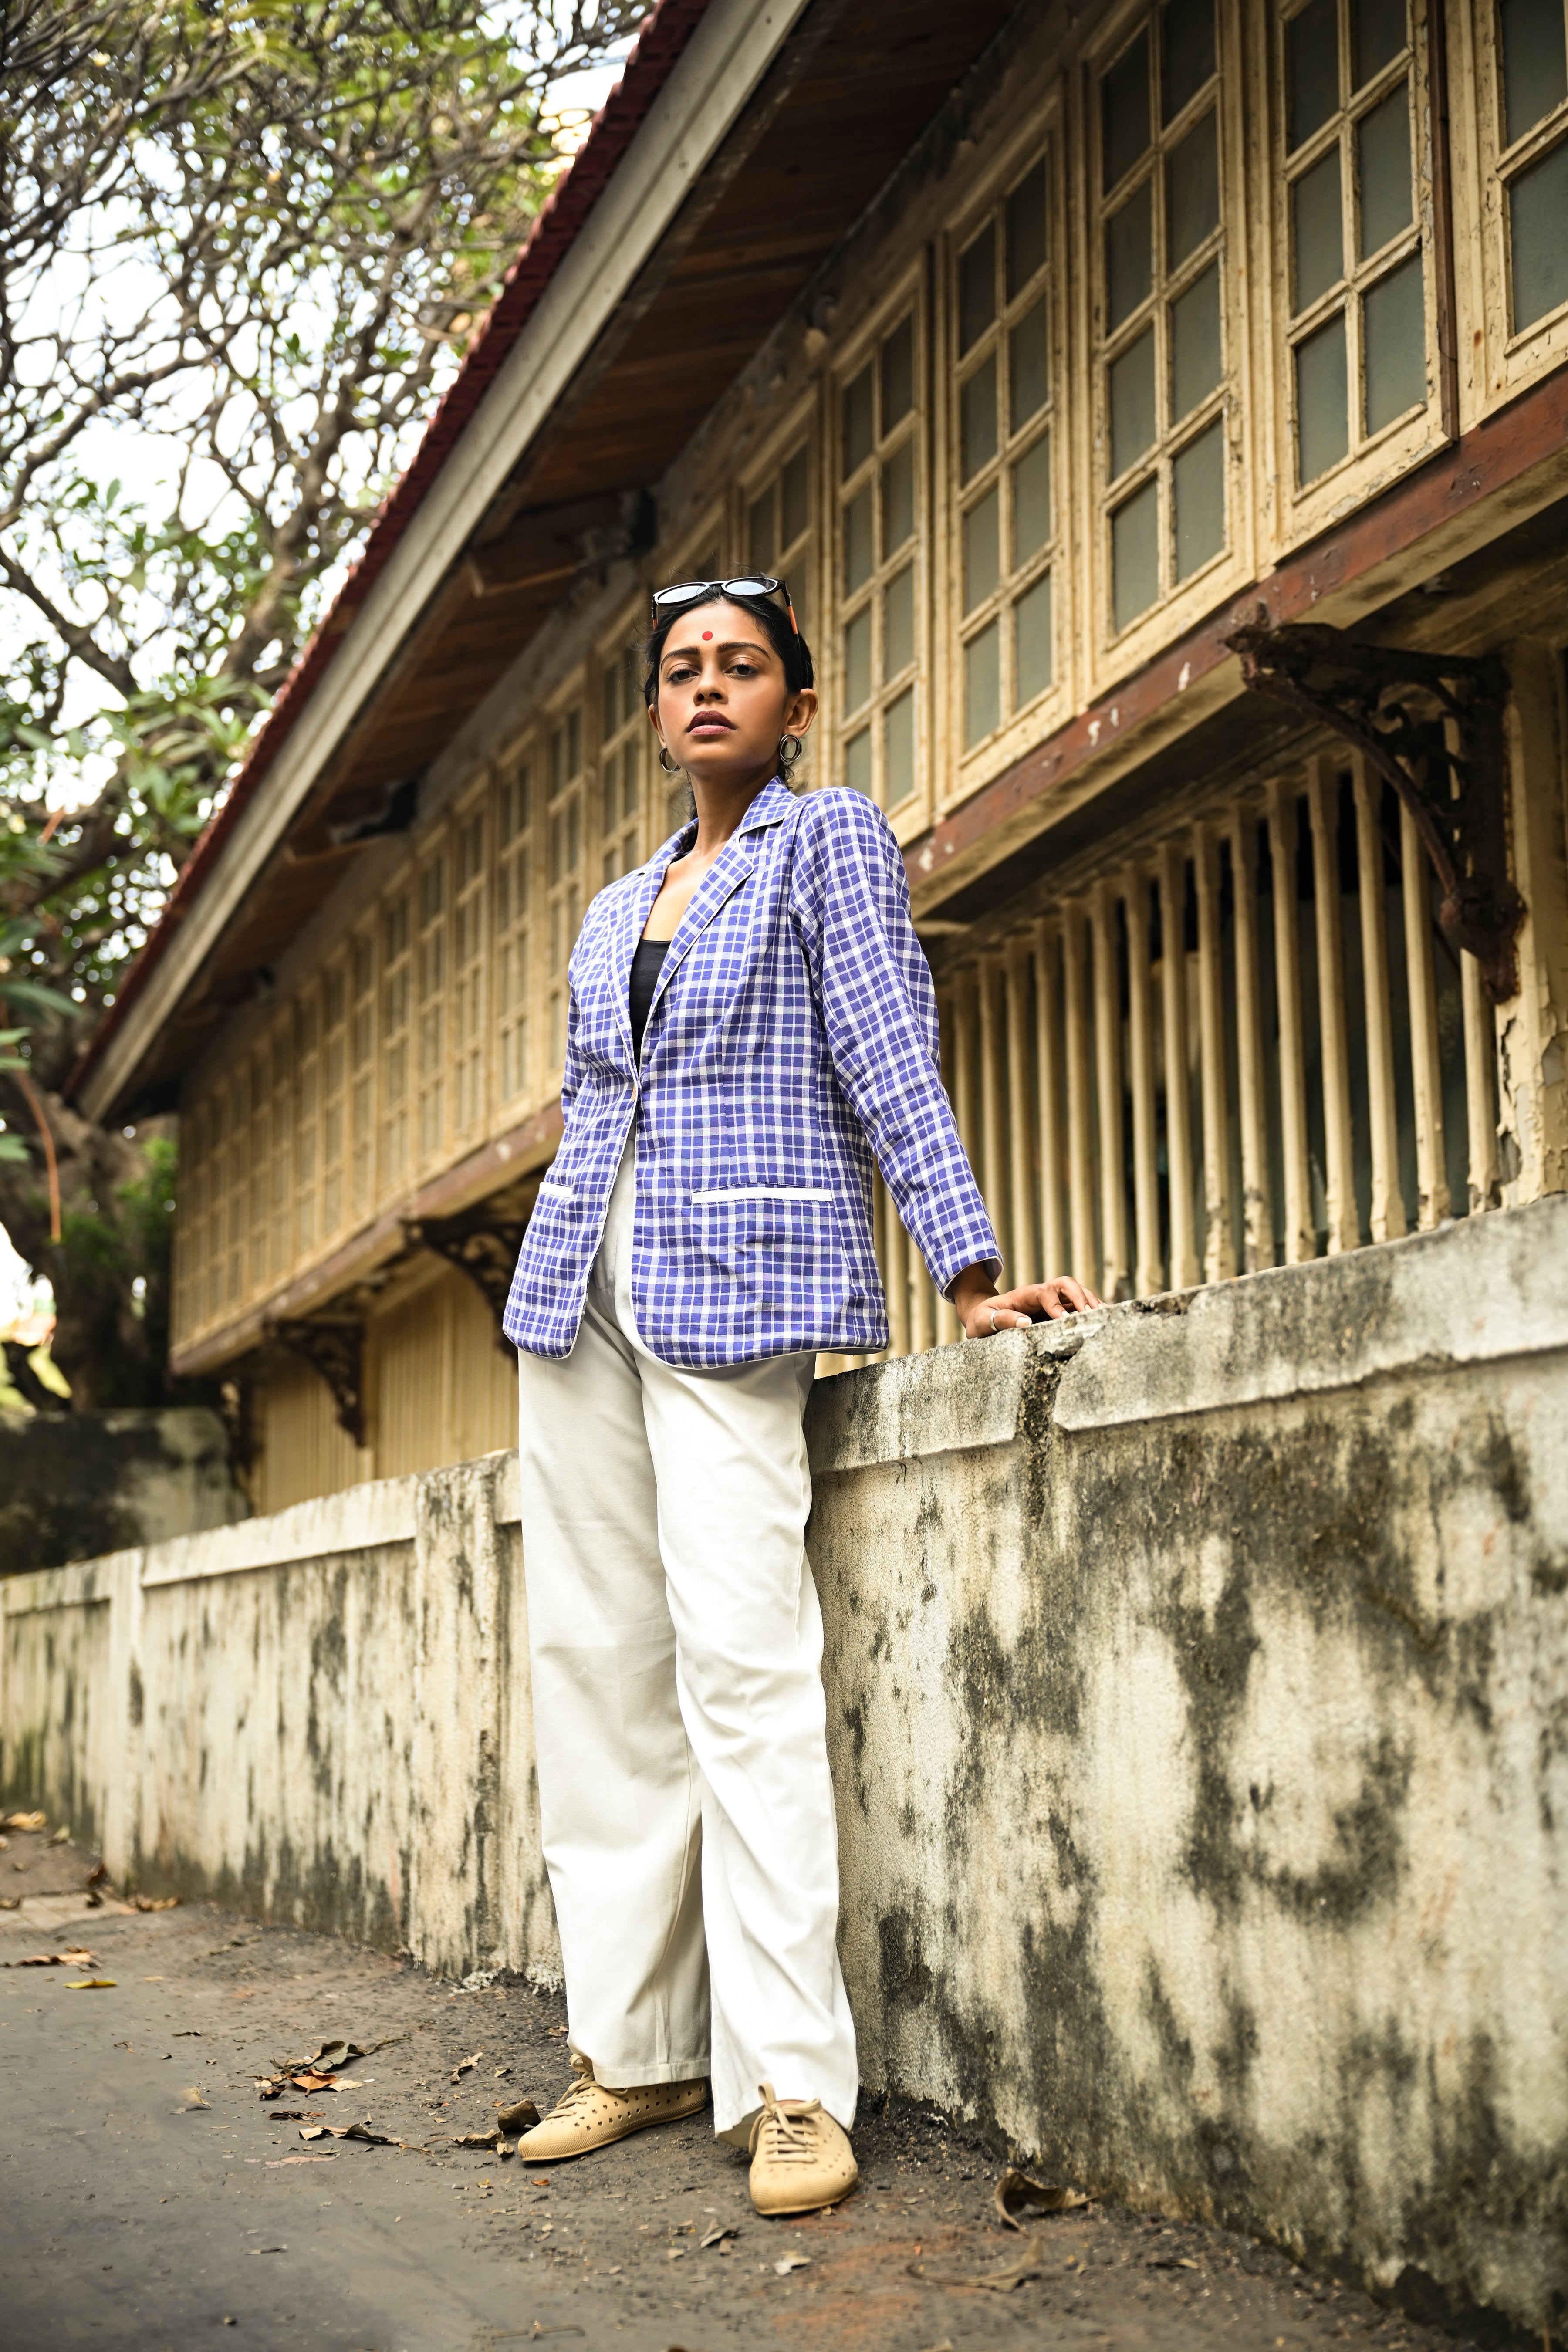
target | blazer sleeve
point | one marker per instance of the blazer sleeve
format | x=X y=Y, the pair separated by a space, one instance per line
x=850 y=907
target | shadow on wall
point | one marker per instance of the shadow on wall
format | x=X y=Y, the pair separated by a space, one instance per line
x=74 y=1486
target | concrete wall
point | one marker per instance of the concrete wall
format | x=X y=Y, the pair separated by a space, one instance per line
x=74 y=1485
x=1198 y=1689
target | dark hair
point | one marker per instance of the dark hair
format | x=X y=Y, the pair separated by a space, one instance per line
x=786 y=642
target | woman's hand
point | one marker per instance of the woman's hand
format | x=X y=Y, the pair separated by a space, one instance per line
x=982 y=1310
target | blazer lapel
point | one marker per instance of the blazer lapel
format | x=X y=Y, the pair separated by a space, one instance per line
x=635 y=910
x=729 y=870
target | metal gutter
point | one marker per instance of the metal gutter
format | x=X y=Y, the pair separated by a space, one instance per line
x=695 y=66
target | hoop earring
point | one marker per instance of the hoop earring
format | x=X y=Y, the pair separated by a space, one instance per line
x=671 y=767
x=789 y=752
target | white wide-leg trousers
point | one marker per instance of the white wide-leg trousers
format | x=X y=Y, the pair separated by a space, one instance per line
x=676 y=1643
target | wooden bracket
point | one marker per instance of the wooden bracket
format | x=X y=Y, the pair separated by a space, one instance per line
x=336 y=1351
x=1432 y=724
x=483 y=1244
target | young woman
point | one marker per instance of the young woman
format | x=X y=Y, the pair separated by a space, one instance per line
x=752 y=1024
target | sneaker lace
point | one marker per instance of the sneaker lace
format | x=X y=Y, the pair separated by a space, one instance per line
x=788 y=2129
x=580 y=2088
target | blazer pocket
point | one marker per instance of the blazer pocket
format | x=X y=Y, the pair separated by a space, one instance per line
x=776 y=1245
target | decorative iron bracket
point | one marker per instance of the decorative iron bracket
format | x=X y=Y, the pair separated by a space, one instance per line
x=1432 y=724
x=336 y=1351
x=483 y=1244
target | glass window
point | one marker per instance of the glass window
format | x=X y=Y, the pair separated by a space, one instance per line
x=1532 y=63
x=1162 y=360
x=514 y=930
x=880 y=492
x=1004 y=402
x=563 y=831
x=1357 y=336
x=624 y=738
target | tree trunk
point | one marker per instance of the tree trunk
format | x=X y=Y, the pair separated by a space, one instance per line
x=110 y=1269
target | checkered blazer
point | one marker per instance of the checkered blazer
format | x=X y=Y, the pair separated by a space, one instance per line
x=793 y=1038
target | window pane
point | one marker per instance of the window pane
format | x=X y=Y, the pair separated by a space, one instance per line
x=977 y=420
x=1382 y=142
x=1026 y=230
x=899 y=622
x=1534 y=63
x=1537 y=210
x=981 y=549
x=858 y=660
x=857 y=555
x=858 y=763
x=1032 y=641
x=1311 y=69
x=977 y=288
x=1129 y=256
x=899 y=497
x=1186 y=43
x=1032 y=500
x=982 y=684
x=1377 y=36
x=1197 y=488
x=794 y=495
x=1322 y=424
x=899 y=749
x=1131 y=386
x=1191 y=191
x=760 y=548
x=611 y=717
x=1124 y=110
x=1135 y=555
x=1196 y=343
x=1317 y=224
x=859 y=432
x=1393 y=336
x=1028 y=366
x=898 y=373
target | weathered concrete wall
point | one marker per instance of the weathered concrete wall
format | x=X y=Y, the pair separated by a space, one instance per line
x=74 y=1486
x=1198 y=1689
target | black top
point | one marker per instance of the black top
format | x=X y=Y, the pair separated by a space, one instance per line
x=647 y=965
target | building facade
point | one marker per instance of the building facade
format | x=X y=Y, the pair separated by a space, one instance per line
x=1159 y=413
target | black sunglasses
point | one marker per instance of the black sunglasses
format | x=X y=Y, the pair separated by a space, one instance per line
x=754 y=584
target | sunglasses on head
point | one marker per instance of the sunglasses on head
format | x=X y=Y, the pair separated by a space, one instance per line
x=753 y=583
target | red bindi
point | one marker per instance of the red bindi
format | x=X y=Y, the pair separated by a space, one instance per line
x=707 y=637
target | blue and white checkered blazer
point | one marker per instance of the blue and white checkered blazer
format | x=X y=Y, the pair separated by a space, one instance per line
x=793 y=1035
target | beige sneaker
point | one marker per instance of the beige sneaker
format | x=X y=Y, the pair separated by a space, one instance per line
x=592 y=2116
x=801 y=2160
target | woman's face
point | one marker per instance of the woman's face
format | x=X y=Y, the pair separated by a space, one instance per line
x=724 y=702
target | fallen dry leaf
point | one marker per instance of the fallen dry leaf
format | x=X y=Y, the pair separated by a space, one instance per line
x=998 y=2281
x=792 y=2262
x=475 y=2140
x=274 y=2161
x=466 y=2066
x=24 y=1821
x=522 y=2116
x=718 y=2233
x=311 y=2082
x=1016 y=2192
x=54 y=1960
x=10 y=1902
x=99 y=1874
x=89 y=1984
x=62 y=1836
x=192 y=2096
x=154 y=1902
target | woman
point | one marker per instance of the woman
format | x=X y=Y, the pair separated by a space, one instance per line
x=751 y=1023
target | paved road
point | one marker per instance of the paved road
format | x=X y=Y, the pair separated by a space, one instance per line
x=136 y=2219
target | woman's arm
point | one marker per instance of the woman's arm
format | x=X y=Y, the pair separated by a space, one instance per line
x=849 y=903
